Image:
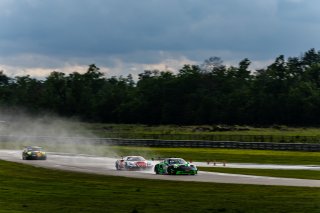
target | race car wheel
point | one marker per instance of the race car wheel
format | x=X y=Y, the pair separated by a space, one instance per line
x=117 y=166
x=171 y=171
x=156 y=170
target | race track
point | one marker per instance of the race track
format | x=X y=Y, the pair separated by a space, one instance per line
x=105 y=166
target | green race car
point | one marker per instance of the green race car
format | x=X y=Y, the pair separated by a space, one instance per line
x=175 y=166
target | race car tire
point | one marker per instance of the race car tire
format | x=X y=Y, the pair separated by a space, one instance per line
x=117 y=166
x=171 y=171
x=156 y=170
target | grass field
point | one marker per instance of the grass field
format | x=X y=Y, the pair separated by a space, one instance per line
x=228 y=155
x=201 y=129
x=29 y=189
x=301 y=174
x=275 y=133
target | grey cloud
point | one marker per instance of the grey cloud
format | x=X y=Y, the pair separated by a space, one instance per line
x=136 y=31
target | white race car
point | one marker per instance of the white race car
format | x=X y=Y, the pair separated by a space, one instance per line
x=133 y=163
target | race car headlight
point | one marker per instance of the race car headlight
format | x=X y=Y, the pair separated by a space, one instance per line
x=130 y=163
x=175 y=166
x=29 y=153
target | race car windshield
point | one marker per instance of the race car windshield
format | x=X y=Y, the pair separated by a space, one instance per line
x=34 y=149
x=177 y=161
x=135 y=159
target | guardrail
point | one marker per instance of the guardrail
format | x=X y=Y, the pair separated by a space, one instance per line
x=212 y=144
x=312 y=147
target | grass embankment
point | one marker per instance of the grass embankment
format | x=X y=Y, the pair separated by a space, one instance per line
x=228 y=155
x=28 y=189
x=276 y=133
x=285 y=173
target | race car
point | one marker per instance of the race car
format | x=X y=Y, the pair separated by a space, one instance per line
x=175 y=166
x=133 y=163
x=33 y=153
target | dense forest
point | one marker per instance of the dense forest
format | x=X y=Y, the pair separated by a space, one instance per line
x=285 y=92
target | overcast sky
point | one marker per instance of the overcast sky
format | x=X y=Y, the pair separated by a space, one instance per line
x=129 y=36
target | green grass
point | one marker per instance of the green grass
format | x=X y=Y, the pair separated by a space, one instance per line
x=301 y=174
x=201 y=129
x=276 y=133
x=29 y=189
x=228 y=155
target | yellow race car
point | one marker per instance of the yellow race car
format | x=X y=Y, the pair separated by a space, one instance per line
x=33 y=153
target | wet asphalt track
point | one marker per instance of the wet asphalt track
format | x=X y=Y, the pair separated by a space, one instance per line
x=105 y=166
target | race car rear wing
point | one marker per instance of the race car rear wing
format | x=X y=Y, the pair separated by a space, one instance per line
x=161 y=158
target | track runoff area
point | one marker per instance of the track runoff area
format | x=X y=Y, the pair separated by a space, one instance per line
x=106 y=166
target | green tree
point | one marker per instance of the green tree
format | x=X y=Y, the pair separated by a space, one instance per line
x=56 y=93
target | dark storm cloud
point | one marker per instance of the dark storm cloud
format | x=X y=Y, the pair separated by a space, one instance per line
x=136 y=31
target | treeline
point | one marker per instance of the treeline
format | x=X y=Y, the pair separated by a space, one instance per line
x=286 y=92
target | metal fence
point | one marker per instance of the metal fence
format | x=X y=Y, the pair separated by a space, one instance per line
x=213 y=144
